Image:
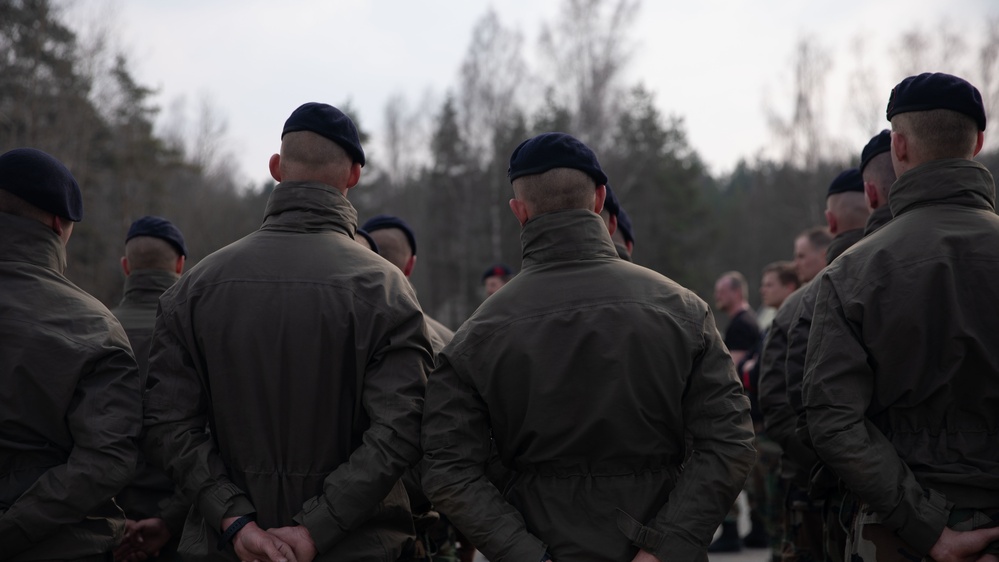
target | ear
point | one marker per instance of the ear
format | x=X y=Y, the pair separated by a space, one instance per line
x=601 y=196
x=125 y=267
x=179 y=266
x=519 y=209
x=899 y=147
x=831 y=219
x=62 y=228
x=979 y=143
x=612 y=225
x=275 y=167
x=407 y=270
x=871 y=192
x=355 y=175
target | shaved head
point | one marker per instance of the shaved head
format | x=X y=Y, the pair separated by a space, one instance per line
x=149 y=252
x=308 y=156
x=557 y=189
x=393 y=246
x=938 y=133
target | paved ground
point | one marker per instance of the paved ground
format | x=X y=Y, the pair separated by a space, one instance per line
x=747 y=555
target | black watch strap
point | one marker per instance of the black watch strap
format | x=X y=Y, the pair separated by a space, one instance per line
x=234 y=528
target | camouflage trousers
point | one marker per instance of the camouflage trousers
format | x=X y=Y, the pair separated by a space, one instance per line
x=763 y=490
x=870 y=541
x=802 y=540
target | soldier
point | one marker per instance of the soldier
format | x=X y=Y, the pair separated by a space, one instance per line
x=70 y=391
x=306 y=354
x=802 y=533
x=879 y=175
x=154 y=259
x=591 y=373
x=396 y=242
x=611 y=213
x=847 y=213
x=902 y=373
x=495 y=277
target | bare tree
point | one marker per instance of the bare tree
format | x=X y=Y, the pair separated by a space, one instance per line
x=491 y=79
x=865 y=103
x=803 y=134
x=988 y=64
x=587 y=51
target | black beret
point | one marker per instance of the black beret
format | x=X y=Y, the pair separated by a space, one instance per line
x=388 y=221
x=42 y=181
x=879 y=143
x=498 y=270
x=158 y=227
x=937 y=91
x=611 y=203
x=371 y=241
x=329 y=122
x=624 y=225
x=547 y=151
x=847 y=180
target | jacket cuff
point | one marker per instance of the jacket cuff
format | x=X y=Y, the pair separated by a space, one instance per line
x=922 y=524
x=317 y=517
x=221 y=500
x=664 y=546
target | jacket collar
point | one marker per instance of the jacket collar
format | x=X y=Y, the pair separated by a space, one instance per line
x=566 y=235
x=27 y=240
x=878 y=218
x=953 y=181
x=842 y=243
x=144 y=286
x=297 y=206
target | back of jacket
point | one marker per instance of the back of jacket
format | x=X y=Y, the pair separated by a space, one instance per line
x=307 y=355
x=903 y=325
x=70 y=405
x=593 y=371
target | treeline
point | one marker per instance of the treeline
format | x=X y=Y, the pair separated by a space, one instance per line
x=445 y=176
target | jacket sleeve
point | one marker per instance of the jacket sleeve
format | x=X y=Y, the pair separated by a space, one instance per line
x=839 y=385
x=457 y=448
x=104 y=419
x=797 y=347
x=716 y=415
x=392 y=396
x=176 y=422
x=778 y=419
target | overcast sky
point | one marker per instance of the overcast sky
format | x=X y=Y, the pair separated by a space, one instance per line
x=716 y=63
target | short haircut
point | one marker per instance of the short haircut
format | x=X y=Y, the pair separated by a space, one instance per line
x=849 y=208
x=817 y=236
x=881 y=172
x=149 y=252
x=938 y=133
x=785 y=271
x=305 y=151
x=736 y=281
x=393 y=246
x=556 y=190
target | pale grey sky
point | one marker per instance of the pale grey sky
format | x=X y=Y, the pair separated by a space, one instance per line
x=716 y=63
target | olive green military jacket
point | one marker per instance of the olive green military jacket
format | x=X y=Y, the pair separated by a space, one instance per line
x=592 y=374
x=307 y=356
x=70 y=405
x=902 y=375
x=779 y=418
x=152 y=492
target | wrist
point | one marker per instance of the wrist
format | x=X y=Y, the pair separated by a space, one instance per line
x=231 y=526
